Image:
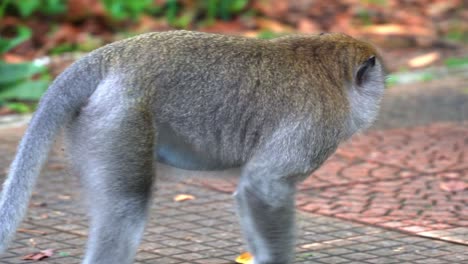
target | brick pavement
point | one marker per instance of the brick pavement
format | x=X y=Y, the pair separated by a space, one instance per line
x=205 y=230
x=411 y=179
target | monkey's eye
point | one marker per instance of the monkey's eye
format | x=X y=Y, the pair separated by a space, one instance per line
x=361 y=74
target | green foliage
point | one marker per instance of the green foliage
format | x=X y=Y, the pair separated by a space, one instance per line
x=3 y=5
x=176 y=12
x=391 y=80
x=457 y=35
x=410 y=77
x=124 y=9
x=456 y=30
x=63 y=254
x=18 y=71
x=427 y=76
x=21 y=81
x=90 y=43
x=62 y=48
x=184 y=20
x=22 y=34
x=365 y=16
x=17 y=82
x=266 y=34
x=209 y=10
x=224 y=9
x=171 y=12
x=18 y=107
x=375 y=2
x=53 y=7
x=26 y=8
x=456 y=62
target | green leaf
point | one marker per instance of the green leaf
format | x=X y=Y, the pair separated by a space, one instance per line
x=19 y=107
x=27 y=7
x=427 y=76
x=23 y=34
x=15 y=72
x=456 y=62
x=391 y=80
x=123 y=9
x=63 y=254
x=184 y=20
x=172 y=9
x=3 y=6
x=238 y=5
x=211 y=11
x=28 y=90
x=54 y=7
x=266 y=34
x=62 y=48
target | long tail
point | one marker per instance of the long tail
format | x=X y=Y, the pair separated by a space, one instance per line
x=62 y=101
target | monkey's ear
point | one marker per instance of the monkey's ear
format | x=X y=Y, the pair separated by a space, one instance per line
x=363 y=69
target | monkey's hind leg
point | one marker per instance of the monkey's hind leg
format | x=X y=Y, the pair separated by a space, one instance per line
x=266 y=211
x=266 y=191
x=113 y=152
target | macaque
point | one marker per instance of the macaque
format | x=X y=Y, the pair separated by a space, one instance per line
x=276 y=108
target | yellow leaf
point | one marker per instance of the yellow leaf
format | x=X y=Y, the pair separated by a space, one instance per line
x=183 y=197
x=245 y=258
x=424 y=60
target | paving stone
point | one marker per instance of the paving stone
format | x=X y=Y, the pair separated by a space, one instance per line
x=364 y=247
x=359 y=256
x=431 y=261
x=335 y=251
x=408 y=257
x=334 y=260
x=383 y=260
x=206 y=230
x=400 y=179
x=456 y=258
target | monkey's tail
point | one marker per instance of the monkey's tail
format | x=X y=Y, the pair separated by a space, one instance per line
x=66 y=95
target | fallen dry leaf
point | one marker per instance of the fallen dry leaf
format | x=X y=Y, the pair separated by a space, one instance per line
x=245 y=258
x=278 y=9
x=44 y=216
x=5 y=111
x=39 y=255
x=439 y=7
x=64 y=197
x=30 y=231
x=38 y=204
x=148 y=23
x=225 y=27
x=55 y=166
x=13 y=58
x=183 y=197
x=272 y=25
x=396 y=29
x=450 y=175
x=83 y=8
x=250 y=33
x=424 y=60
x=453 y=186
x=32 y=242
x=307 y=26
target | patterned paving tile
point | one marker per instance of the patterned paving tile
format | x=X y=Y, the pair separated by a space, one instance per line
x=205 y=230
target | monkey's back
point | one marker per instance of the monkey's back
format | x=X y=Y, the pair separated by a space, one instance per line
x=220 y=95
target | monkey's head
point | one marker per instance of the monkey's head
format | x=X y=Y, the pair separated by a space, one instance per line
x=359 y=70
x=349 y=71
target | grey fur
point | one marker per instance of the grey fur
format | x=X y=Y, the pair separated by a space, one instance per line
x=278 y=108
